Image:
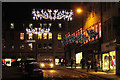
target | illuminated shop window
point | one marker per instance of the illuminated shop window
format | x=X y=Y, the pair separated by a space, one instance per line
x=44 y=35
x=50 y=24
x=45 y=46
x=50 y=36
x=22 y=36
x=40 y=36
x=30 y=36
x=39 y=46
x=30 y=45
x=12 y=25
x=60 y=25
x=50 y=46
x=59 y=36
x=30 y=25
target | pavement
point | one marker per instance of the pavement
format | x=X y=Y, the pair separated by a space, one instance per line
x=105 y=75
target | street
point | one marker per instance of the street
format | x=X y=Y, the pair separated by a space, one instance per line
x=12 y=73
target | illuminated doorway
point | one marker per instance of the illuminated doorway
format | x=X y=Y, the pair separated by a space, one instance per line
x=78 y=57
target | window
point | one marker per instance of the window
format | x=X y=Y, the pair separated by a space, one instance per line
x=45 y=25
x=50 y=36
x=50 y=46
x=45 y=46
x=12 y=26
x=12 y=46
x=22 y=46
x=30 y=36
x=60 y=25
x=40 y=36
x=44 y=35
x=59 y=36
x=22 y=36
x=30 y=25
x=59 y=45
x=30 y=45
x=39 y=46
x=40 y=24
x=11 y=35
x=50 y=24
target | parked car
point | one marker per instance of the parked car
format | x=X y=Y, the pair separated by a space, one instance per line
x=15 y=63
x=33 y=71
x=46 y=64
x=22 y=64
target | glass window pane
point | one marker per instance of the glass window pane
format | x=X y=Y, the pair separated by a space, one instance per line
x=30 y=36
x=59 y=36
x=40 y=36
x=50 y=36
x=60 y=25
x=45 y=46
x=12 y=25
x=45 y=35
x=22 y=36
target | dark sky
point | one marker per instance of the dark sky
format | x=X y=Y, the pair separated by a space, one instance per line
x=23 y=10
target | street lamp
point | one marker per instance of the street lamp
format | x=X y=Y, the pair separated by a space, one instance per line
x=79 y=10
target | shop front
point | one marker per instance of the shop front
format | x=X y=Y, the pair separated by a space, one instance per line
x=8 y=61
x=108 y=57
x=108 y=60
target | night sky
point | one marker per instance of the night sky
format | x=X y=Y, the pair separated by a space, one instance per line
x=23 y=10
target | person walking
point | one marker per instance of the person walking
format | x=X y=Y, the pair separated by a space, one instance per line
x=95 y=65
x=88 y=65
x=83 y=63
x=71 y=63
x=75 y=63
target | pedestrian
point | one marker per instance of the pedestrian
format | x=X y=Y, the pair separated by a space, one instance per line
x=88 y=65
x=82 y=63
x=66 y=62
x=95 y=65
x=71 y=63
x=75 y=63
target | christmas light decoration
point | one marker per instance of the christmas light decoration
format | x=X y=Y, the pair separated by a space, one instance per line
x=37 y=30
x=52 y=14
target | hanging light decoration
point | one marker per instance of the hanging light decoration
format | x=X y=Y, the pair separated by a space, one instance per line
x=52 y=14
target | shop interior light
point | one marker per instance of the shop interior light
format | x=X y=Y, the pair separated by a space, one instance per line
x=42 y=65
x=51 y=65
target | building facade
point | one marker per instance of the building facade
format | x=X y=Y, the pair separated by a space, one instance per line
x=101 y=18
x=18 y=40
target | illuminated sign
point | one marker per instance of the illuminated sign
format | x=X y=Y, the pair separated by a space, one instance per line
x=52 y=14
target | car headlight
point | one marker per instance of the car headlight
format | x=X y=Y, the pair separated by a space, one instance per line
x=51 y=65
x=42 y=65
